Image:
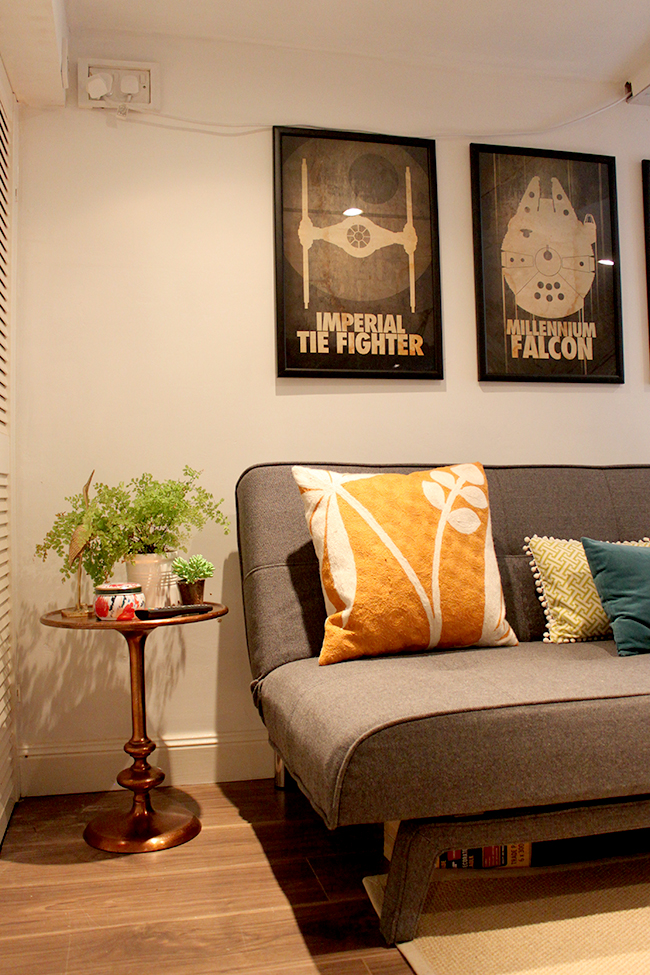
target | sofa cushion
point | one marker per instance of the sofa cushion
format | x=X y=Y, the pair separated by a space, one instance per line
x=566 y=590
x=621 y=575
x=407 y=561
x=523 y=608
x=458 y=732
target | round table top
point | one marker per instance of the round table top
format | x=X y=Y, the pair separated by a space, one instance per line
x=56 y=618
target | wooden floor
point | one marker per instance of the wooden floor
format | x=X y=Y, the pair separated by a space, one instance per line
x=264 y=888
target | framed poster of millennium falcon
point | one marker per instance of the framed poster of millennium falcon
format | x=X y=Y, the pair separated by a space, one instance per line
x=546 y=265
x=356 y=254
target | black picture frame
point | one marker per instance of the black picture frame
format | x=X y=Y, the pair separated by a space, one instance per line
x=546 y=263
x=645 y=180
x=357 y=294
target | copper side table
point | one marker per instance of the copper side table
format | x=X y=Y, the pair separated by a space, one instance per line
x=141 y=830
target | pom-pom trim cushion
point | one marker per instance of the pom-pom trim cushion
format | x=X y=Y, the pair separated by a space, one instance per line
x=566 y=588
x=407 y=561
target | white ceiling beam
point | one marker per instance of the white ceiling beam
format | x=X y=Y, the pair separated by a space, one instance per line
x=33 y=47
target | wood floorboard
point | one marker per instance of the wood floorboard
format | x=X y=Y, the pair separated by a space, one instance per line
x=108 y=903
x=264 y=889
x=230 y=847
x=341 y=874
x=231 y=943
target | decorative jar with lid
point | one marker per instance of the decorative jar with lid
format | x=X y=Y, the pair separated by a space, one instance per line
x=118 y=601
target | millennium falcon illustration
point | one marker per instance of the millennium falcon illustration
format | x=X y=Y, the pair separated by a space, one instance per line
x=547 y=255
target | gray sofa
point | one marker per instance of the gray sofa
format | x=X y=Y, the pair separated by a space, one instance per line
x=467 y=747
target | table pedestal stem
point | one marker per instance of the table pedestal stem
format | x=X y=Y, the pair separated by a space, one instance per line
x=142 y=829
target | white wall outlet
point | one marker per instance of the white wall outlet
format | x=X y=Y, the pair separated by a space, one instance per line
x=134 y=83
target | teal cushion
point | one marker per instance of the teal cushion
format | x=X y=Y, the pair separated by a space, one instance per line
x=622 y=577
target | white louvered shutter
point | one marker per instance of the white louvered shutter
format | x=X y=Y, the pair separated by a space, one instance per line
x=8 y=775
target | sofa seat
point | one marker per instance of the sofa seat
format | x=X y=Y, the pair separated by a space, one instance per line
x=459 y=732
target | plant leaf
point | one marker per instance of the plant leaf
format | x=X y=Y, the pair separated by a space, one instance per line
x=80 y=538
x=86 y=490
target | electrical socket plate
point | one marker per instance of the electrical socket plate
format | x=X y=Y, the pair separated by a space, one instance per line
x=147 y=73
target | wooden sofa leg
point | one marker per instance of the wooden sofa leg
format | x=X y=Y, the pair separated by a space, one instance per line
x=408 y=882
x=280 y=774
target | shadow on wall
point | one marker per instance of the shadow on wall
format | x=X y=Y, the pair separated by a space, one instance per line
x=75 y=712
x=75 y=691
x=248 y=754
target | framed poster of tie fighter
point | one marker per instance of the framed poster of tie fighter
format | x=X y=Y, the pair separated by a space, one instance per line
x=356 y=253
x=546 y=265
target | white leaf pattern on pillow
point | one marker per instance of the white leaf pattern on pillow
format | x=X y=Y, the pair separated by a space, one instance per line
x=434 y=494
x=468 y=472
x=474 y=496
x=324 y=517
x=464 y=520
x=331 y=538
x=372 y=522
x=443 y=477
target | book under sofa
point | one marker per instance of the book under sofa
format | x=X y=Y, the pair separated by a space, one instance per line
x=436 y=645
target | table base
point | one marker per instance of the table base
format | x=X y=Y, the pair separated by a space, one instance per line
x=141 y=831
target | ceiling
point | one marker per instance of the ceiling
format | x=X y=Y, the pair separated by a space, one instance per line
x=596 y=40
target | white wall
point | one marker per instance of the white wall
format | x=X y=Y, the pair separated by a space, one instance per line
x=146 y=341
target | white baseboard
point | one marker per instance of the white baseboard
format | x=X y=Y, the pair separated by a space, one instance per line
x=91 y=766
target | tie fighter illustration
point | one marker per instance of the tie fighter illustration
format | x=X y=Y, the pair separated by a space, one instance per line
x=358 y=236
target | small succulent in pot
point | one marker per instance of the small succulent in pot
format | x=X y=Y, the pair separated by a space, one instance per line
x=192 y=574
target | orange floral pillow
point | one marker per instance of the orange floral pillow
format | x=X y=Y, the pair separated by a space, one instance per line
x=407 y=560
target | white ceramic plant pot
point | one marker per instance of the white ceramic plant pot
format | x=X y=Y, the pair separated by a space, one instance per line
x=154 y=574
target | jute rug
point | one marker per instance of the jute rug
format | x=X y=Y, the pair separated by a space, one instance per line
x=592 y=919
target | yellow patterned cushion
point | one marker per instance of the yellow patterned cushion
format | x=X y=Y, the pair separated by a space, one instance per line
x=407 y=560
x=567 y=590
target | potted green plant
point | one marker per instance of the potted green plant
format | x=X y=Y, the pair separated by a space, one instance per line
x=160 y=519
x=144 y=519
x=88 y=536
x=162 y=514
x=192 y=574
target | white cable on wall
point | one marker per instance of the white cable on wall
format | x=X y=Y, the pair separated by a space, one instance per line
x=132 y=114
x=551 y=128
